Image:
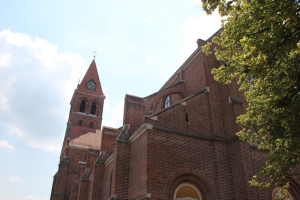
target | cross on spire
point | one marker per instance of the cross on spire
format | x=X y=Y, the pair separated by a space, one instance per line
x=94 y=54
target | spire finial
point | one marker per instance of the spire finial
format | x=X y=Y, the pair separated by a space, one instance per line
x=94 y=54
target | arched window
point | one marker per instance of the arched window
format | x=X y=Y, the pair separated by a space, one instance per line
x=80 y=123
x=187 y=118
x=82 y=106
x=91 y=125
x=277 y=193
x=93 y=108
x=167 y=102
x=187 y=191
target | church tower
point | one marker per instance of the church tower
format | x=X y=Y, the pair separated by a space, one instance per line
x=86 y=107
x=82 y=140
x=87 y=102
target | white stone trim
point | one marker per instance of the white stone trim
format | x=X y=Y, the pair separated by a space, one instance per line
x=140 y=131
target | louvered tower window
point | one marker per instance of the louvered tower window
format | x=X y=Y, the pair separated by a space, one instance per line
x=82 y=106
x=93 y=108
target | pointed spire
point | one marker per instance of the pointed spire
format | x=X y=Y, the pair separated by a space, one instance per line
x=91 y=82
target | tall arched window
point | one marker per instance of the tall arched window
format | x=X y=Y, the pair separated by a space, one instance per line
x=167 y=102
x=187 y=118
x=80 y=122
x=187 y=191
x=93 y=108
x=82 y=106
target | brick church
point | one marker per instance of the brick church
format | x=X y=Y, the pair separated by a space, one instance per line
x=177 y=143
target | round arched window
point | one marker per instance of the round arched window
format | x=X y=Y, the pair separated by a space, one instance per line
x=277 y=193
x=82 y=106
x=187 y=191
x=167 y=102
x=93 y=108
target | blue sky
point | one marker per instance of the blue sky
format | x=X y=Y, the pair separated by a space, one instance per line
x=46 y=48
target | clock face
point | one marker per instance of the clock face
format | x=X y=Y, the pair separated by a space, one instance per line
x=91 y=85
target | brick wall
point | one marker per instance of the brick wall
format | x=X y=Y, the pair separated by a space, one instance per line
x=122 y=158
x=138 y=167
x=108 y=180
x=134 y=110
x=191 y=141
x=172 y=155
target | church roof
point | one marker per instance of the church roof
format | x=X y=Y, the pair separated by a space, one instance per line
x=91 y=76
x=89 y=140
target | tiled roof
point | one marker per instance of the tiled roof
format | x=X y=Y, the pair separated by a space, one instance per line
x=89 y=140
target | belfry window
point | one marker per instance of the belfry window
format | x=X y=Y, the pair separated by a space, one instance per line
x=93 y=108
x=82 y=106
x=167 y=102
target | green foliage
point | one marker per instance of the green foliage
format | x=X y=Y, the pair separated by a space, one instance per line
x=260 y=45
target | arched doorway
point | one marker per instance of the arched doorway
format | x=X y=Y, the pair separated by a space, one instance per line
x=187 y=191
x=277 y=192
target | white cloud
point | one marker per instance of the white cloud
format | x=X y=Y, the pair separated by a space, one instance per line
x=198 y=2
x=201 y=27
x=150 y=19
x=4 y=60
x=17 y=196
x=37 y=83
x=6 y=145
x=31 y=197
x=10 y=197
x=116 y=113
x=15 y=179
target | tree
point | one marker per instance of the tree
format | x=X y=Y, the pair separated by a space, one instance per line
x=260 y=46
